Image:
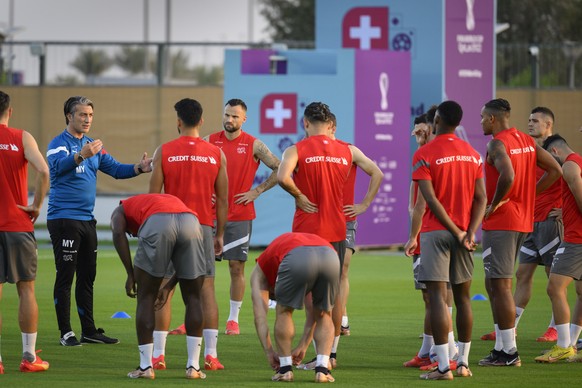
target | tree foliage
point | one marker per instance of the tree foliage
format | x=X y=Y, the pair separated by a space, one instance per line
x=289 y=20
x=134 y=60
x=92 y=62
x=540 y=21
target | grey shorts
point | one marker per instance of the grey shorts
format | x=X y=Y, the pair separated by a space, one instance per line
x=18 y=257
x=208 y=253
x=500 y=250
x=208 y=241
x=174 y=238
x=540 y=245
x=352 y=226
x=444 y=259
x=340 y=248
x=415 y=269
x=237 y=237
x=568 y=261
x=306 y=269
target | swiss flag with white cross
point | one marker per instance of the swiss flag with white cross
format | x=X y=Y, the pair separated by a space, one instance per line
x=279 y=113
x=366 y=28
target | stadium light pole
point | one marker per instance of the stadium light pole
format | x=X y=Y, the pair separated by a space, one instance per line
x=9 y=36
x=146 y=34
x=251 y=21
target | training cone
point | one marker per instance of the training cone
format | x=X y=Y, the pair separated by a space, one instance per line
x=478 y=297
x=120 y=314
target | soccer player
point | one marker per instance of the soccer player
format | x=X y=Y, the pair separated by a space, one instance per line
x=541 y=244
x=567 y=264
x=351 y=211
x=293 y=265
x=424 y=132
x=510 y=172
x=169 y=232
x=244 y=153
x=18 y=253
x=319 y=165
x=450 y=177
x=74 y=159
x=194 y=171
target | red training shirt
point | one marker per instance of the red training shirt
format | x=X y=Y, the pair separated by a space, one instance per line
x=139 y=208
x=241 y=168
x=518 y=213
x=272 y=257
x=323 y=166
x=190 y=166
x=570 y=211
x=452 y=166
x=13 y=182
x=548 y=199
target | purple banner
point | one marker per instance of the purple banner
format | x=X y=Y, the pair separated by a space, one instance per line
x=469 y=63
x=382 y=118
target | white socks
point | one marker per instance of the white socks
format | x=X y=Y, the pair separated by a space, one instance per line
x=518 y=313
x=145 y=355
x=452 y=345
x=285 y=361
x=498 y=340
x=29 y=344
x=322 y=360
x=159 y=345
x=210 y=342
x=335 y=343
x=574 y=334
x=508 y=340
x=345 y=322
x=464 y=348
x=427 y=342
x=194 y=344
x=234 y=310
x=442 y=352
x=563 y=335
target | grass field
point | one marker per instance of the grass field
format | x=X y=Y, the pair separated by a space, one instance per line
x=385 y=317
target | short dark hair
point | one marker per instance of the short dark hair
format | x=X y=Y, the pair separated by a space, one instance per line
x=451 y=113
x=4 y=102
x=430 y=113
x=189 y=111
x=420 y=119
x=333 y=119
x=499 y=105
x=317 y=111
x=543 y=110
x=71 y=105
x=237 y=102
x=553 y=139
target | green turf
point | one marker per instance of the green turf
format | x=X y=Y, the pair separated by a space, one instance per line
x=385 y=317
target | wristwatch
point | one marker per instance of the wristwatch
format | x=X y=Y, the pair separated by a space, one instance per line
x=81 y=158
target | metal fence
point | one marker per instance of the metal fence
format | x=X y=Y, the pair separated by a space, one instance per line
x=539 y=66
x=106 y=63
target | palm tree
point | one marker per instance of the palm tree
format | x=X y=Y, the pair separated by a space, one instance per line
x=135 y=60
x=92 y=62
